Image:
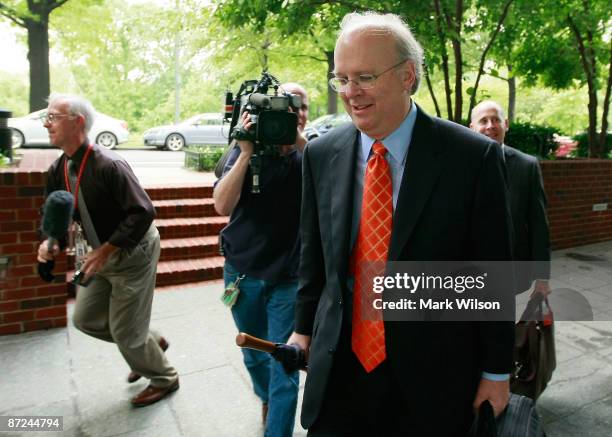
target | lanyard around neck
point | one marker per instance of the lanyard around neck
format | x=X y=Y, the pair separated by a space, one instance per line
x=78 y=181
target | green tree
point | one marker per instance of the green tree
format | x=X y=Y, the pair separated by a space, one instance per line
x=33 y=15
x=115 y=59
x=571 y=42
x=306 y=26
x=440 y=25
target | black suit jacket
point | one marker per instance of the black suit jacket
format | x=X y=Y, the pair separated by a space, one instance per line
x=451 y=206
x=528 y=209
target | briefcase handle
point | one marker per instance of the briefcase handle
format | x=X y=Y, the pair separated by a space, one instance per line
x=484 y=424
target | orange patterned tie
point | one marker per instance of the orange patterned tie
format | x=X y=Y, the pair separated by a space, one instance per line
x=369 y=257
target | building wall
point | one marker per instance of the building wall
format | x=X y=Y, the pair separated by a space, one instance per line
x=573 y=187
x=26 y=302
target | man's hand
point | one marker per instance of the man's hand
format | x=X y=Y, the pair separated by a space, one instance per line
x=303 y=341
x=542 y=287
x=246 y=147
x=97 y=259
x=43 y=252
x=497 y=392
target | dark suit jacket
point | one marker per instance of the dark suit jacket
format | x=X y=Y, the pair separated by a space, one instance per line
x=451 y=206
x=528 y=210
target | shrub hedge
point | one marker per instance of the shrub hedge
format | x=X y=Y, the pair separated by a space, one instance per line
x=532 y=139
x=203 y=158
x=582 y=150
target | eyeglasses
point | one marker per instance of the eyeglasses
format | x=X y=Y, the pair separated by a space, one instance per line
x=50 y=118
x=363 y=81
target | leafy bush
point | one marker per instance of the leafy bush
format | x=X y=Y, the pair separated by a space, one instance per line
x=203 y=158
x=532 y=139
x=582 y=150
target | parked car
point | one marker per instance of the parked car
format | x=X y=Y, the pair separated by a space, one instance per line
x=207 y=128
x=324 y=124
x=29 y=130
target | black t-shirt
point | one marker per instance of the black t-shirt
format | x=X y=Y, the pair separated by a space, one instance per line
x=262 y=236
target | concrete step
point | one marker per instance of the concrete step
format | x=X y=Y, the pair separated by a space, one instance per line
x=177 y=208
x=190 y=227
x=191 y=247
x=169 y=191
x=189 y=270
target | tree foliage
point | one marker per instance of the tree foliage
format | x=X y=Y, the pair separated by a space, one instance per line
x=33 y=15
x=571 y=42
x=553 y=57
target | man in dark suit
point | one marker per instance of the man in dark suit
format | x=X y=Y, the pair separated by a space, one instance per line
x=527 y=201
x=447 y=194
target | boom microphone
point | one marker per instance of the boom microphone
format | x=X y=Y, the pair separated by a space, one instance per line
x=259 y=99
x=56 y=219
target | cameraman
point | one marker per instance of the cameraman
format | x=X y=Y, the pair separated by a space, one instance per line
x=261 y=248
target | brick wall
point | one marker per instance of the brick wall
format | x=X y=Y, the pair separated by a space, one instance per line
x=26 y=302
x=572 y=188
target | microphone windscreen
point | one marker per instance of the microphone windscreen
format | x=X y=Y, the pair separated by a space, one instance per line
x=260 y=100
x=57 y=214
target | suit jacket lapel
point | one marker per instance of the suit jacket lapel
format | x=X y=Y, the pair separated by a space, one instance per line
x=341 y=178
x=421 y=172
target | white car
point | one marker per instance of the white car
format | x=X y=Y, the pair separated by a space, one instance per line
x=207 y=128
x=30 y=131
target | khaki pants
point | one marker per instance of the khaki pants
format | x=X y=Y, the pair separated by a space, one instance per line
x=116 y=307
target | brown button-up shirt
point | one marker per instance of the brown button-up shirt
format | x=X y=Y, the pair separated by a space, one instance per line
x=120 y=209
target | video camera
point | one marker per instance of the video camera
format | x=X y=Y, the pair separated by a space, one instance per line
x=273 y=123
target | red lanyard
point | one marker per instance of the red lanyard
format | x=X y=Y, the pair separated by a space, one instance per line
x=78 y=182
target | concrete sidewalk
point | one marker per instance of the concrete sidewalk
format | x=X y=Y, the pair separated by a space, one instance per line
x=64 y=372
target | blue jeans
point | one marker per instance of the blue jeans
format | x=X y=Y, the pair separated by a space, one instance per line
x=266 y=310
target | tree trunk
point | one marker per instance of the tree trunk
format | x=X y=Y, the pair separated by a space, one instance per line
x=431 y=91
x=456 y=42
x=332 y=96
x=483 y=59
x=511 y=95
x=458 y=81
x=606 y=107
x=38 y=57
x=594 y=150
x=445 y=71
x=587 y=59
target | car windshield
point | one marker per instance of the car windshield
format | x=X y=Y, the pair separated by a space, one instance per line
x=193 y=120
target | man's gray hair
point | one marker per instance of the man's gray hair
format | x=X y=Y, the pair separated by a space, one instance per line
x=489 y=104
x=77 y=105
x=407 y=46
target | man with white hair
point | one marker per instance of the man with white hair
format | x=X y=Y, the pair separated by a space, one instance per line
x=527 y=201
x=395 y=185
x=113 y=216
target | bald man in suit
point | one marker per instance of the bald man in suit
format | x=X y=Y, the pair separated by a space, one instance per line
x=527 y=201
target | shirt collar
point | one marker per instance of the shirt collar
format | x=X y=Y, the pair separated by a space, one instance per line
x=77 y=156
x=397 y=143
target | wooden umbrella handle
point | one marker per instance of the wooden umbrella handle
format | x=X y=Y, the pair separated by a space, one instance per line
x=250 y=342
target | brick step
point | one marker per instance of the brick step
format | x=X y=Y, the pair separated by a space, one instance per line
x=176 y=208
x=191 y=270
x=192 y=247
x=190 y=227
x=165 y=192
